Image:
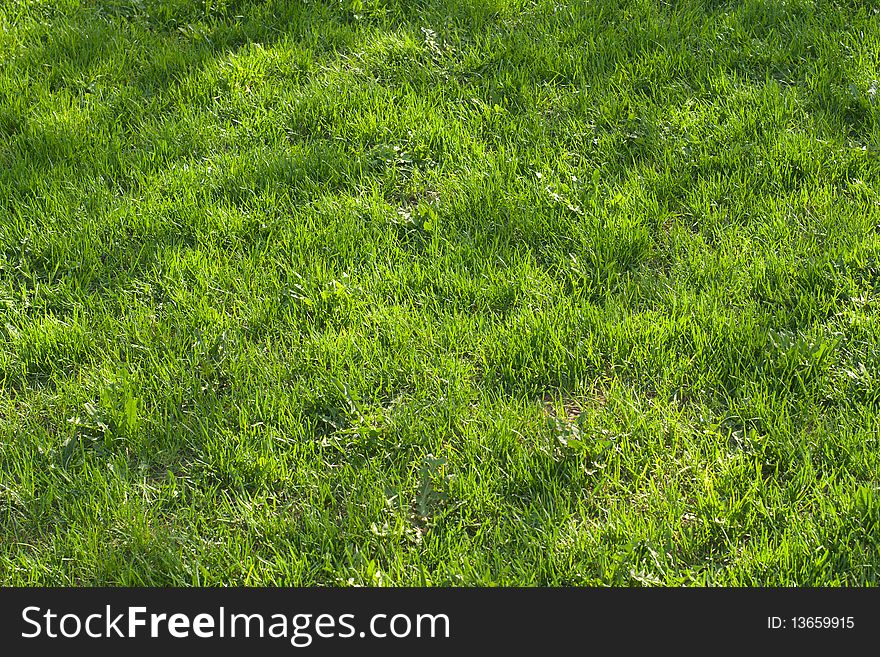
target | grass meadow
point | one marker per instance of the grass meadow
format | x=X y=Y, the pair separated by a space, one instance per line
x=440 y=292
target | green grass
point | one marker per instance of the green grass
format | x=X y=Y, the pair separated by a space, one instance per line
x=439 y=292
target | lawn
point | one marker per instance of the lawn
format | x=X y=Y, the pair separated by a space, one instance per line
x=439 y=292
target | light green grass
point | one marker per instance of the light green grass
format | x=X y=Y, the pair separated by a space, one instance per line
x=439 y=292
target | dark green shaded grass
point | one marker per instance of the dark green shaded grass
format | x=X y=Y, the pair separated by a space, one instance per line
x=439 y=293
